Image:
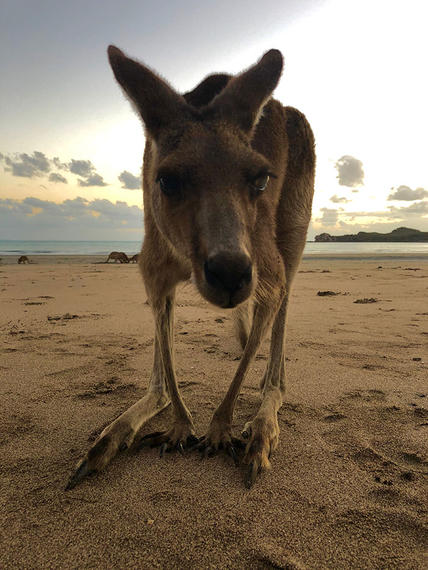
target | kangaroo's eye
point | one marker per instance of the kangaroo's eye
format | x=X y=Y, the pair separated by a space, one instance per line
x=260 y=182
x=169 y=184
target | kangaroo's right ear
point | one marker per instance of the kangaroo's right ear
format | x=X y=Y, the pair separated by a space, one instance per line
x=157 y=103
x=242 y=100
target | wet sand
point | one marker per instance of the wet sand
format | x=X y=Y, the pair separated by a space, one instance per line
x=347 y=487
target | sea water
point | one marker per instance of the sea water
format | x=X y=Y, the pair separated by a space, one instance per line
x=19 y=247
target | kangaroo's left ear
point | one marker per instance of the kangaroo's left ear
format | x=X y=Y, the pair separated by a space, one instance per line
x=242 y=100
x=157 y=102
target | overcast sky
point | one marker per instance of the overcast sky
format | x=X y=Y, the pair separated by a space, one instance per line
x=71 y=147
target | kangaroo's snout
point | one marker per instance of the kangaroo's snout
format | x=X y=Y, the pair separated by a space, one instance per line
x=229 y=271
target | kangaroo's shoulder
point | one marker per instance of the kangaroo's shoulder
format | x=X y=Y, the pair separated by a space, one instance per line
x=301 y=138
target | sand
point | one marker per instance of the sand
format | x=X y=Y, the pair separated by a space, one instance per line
x=346 y=489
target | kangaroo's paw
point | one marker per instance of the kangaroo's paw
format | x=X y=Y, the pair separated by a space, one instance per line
x=180 y=437
x=263 y=436
x=219 y=437
x=118 y=436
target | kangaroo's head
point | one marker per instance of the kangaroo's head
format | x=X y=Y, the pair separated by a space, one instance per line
x=202 y=175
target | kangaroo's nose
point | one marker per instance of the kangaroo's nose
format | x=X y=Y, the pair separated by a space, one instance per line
x=228 y=270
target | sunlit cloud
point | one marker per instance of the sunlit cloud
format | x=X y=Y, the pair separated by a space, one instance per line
x=81 y=167
x=339 y=200
x=329 y=217
x=55 y=177
x=38 y=164
x=25 y=165
x=129 y=181
x=92 y=180
x=407 y=194
x=41 y=219
x=86 y=170
x=350 y=171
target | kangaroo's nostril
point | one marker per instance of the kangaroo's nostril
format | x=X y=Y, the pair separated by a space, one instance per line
x=230 y=271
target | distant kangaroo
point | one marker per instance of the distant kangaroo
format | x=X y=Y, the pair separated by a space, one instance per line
x=228 y=181
x=118 y=256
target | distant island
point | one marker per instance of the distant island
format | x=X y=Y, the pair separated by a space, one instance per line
x=400 y=234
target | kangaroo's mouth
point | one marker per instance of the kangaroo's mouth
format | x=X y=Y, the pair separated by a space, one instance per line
x=225 y=279
x=222 y=298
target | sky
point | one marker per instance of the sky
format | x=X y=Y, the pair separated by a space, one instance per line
x=71 y=146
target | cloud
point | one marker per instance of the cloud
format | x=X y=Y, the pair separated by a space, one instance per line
x=38 y=164
x=58 y=164
x=25 y=165
x=92 y=180
x=393 y=212
x=350 y=171
x=81 y=167
x=417 y=209
x=338 y=200
x=78 y=218
x=55 y=177
x=129 y=181
x=85 y=169
x=407 y=194
x=329 y=217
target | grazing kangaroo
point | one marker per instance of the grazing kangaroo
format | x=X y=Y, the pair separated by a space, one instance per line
x=228 y=182
x=117 y=256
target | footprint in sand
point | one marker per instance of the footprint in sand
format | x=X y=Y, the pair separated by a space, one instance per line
x=369 y=430
x=113 y=385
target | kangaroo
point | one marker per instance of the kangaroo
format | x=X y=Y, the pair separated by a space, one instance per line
x=228 y=181
x=118 y=256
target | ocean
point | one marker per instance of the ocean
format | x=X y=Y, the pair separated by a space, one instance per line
x=15 y=247
x=18 y=247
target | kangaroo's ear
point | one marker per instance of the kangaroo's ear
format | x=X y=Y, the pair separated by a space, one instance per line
x=242 y=100
x=157 y=103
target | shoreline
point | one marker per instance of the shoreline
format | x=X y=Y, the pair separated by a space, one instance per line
x=78 y=259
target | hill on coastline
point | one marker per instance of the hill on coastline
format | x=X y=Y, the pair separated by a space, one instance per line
x=399 y=234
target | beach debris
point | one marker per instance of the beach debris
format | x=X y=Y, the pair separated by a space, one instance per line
x=327 y=293
x=366 y=300
x=23 y=259
x=16 y=330
x=417 y=358
x=66 y=317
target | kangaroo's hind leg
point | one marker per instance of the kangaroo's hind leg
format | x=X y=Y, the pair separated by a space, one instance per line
x=161 y=280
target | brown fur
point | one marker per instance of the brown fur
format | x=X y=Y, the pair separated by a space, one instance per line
x=117 y=256
x=208 y=153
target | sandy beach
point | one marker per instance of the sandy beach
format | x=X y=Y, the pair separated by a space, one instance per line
x=347 y=487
